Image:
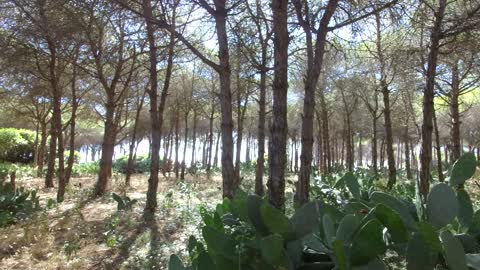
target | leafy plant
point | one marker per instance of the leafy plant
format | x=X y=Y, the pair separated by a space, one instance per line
x=355 y=233
x=124 y=203
x=16 y=204
x=71 y=247
x=16 y=145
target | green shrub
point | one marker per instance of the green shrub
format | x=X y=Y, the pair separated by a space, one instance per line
x=124 y=203
x=141 y=164
x=22 y=171
x=16 y=145
x=16 y=204
x=356 y=233
x=85 y=169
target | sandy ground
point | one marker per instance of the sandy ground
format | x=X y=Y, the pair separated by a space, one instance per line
x=77 y=234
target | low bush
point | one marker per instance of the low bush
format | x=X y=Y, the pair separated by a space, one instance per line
x=141 y=164
x=16 y=145
x=16 y=204
x=85 y=169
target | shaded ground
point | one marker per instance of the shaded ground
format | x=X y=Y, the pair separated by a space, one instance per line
x=84 y=233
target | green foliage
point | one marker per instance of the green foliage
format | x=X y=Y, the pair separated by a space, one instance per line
x=442 y=205
x=71 y=247
x=463 y=169
x=112 y=237
x=16 y=145
x=140 y=165
x=124 y=203
x=85 y=169
x=16 y=204
x=352 y=230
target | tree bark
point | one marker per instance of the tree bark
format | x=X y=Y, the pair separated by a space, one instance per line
x=392 y=170
x=156 y=110
x=108 y=146
x=428 y=96
x=194 y=138
x=455 y=115
x=374 y=146
x=41 y=151
x=407 y=152
x=278 y=141
x=133 y=142
x=182 y=174
x=73 y=119
x=315 y=55
x=210 y=138
x=441 y=178
x=215 y=159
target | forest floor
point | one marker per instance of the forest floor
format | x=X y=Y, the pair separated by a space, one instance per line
x=84 y=233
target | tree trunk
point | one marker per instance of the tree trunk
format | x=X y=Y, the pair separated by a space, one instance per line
x=182 y=174
x=428 y=106
x=108 y=146
x=215 y=159
x=360 y=151
x=327 y=157
x=41 y=151
x=73 y=119
x=224 y=71
x=177 y=143
x=314 y=67
x=392 y=171
x=374 y=147
x=210 y=139
x=133 y=142
x=51 y=158
x=247 y=150
x=156 y=113
x=437 y=148
x=407 y=152
x=455 y=116
x=194 y=138
x=279 y=128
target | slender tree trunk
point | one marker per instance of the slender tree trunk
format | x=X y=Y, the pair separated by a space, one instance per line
x=156 y=110
x=133 y=142
x=278 y=140
x=61 y=161
x=314 y=66
x=36 y=143
x=182 y=174
x=215 y=160
x=321 y=161
x=374 y=146
x=247 y=150
x=194 y=137
x=259 y=171
x=41 y=151
x=177 y=144
x=210 y=137
x=392 y=171
x=437 y=148
x=382 y=154
x=407 y=152
x=108 y=146
x=224 y=71
x=73 y=119
x=360 y=151
x=327 y=157
x=428 y=96
x=455 y=116
x=349 y=144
